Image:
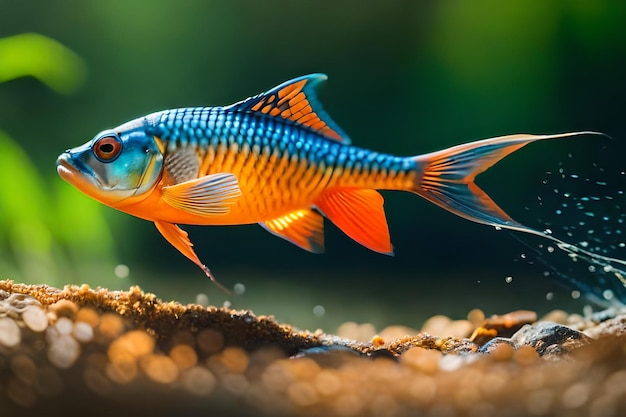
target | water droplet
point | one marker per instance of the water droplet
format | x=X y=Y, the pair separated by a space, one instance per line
x=498 y=228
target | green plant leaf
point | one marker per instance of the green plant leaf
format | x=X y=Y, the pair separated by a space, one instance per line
x=32 y=54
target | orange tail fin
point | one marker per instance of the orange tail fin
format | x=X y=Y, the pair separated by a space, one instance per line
x=448 y=177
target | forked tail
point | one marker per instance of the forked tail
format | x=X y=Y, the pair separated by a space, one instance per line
x=447 y=178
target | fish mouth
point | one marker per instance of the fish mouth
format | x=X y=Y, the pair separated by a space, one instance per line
x=75 y=173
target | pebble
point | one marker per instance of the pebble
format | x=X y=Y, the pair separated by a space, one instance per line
x=63 y=351
x=549 y=338
x=10 y=335
x=35 y=318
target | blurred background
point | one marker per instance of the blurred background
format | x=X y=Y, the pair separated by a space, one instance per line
x=405 y=77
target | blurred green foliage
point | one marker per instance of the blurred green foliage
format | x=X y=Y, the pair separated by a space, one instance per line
x=405 y=77
x=35 y=55
x=45 y=231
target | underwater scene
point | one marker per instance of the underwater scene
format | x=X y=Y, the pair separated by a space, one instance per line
x=358 y=209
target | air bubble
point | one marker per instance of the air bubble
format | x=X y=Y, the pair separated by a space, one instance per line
x=508 y=280
x=549 y=296
x=202 y=299
x=591 y=268
x=239 y=288
x=121 y=271
x=608 y=294
x=575 y=294
x=319 y=311
x=550 y=249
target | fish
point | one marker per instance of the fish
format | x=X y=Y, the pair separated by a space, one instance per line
x=276 y=159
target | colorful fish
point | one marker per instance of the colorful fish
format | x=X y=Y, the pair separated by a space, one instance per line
x=276 y=159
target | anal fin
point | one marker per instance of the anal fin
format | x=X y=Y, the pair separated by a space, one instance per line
x=303 y=228
x=359 y=214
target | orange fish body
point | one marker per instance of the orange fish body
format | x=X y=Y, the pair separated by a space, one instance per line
x=276 y=159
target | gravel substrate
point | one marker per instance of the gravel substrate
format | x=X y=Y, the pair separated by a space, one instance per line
x=79 y=351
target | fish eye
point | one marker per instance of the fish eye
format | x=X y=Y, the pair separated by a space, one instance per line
x=107 y=148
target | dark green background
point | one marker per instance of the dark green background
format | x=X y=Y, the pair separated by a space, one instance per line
x=405 y=77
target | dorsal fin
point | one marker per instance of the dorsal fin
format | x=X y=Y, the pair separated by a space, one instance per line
x=296 y=100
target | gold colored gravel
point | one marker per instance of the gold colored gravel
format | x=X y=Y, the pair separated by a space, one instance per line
x=79 y=351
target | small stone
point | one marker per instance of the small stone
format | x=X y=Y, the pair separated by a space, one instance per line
x=423 y=360
x=88 y=315
x=35 y=318
x=64 y=308
x=10 y=335
x=549 y=338
x=63 y=351
x=494 y=344
x=436 y=326
x=82 y=332
x=210 y=341
x=184 y=356
x=64 y=326
x=199 y=381
x=160 y=368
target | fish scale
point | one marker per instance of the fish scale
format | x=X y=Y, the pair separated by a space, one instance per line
x=279 y=160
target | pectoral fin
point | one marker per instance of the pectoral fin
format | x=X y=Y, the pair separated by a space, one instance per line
x=304 y=228
x=205 y=196
x=358 y=213
x=180 y=240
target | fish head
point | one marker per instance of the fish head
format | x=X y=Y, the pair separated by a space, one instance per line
x=114 y=166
